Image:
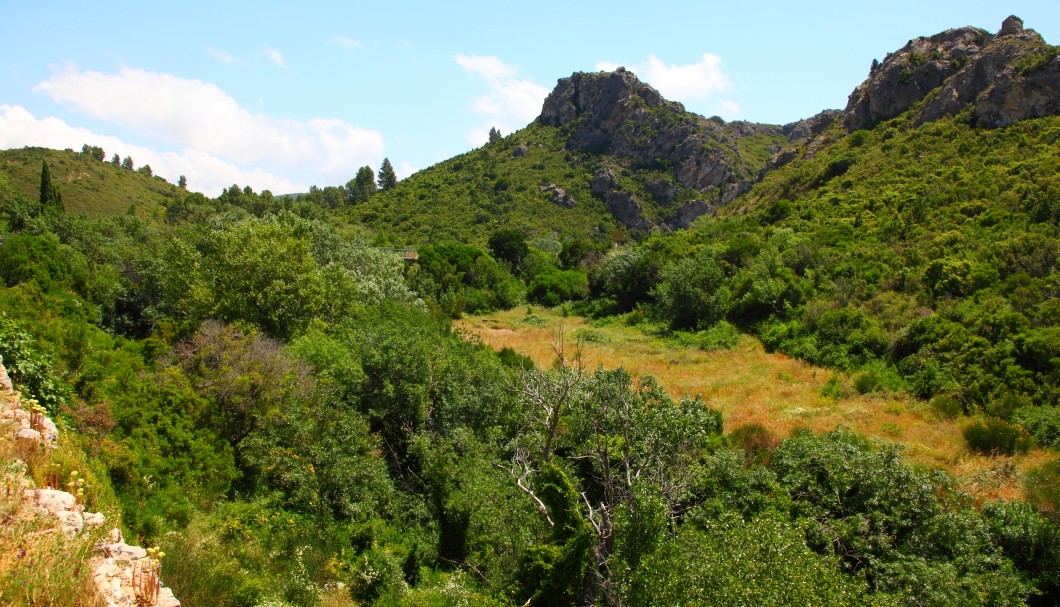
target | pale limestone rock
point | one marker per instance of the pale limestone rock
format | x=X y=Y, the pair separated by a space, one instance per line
x=27 y=435
x=94 y=519
x=52 y=500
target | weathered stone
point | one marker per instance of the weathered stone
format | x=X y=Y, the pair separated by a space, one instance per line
x=1011 y=25
x=5 y=379
x=627 y=210
x=94 y=519
x=811 y=126
x=559 y=195
x=27 y=435
x=662 y=192
x=70 y=521
x=689 y=212
x=520 y=150
x=907 y=76
x=122 y=551
x=1005 y=78
x=602 y=183
x=617 y=114
x=51 y=500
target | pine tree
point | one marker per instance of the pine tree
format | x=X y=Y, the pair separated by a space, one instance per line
x=387 y=176
x=495 y=135
x=127 y=163
x=182 y=182
x=47 y=192
x=360 y=187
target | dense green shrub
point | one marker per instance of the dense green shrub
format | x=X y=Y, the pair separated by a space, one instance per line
x=995 y=436
x=1042 y=422
x=557 y=286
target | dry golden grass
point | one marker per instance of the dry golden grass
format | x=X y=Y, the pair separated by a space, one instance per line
x=749 y=385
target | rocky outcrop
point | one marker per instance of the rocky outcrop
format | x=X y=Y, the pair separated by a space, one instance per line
x=559 y=195
x=615 y=113
x=113 y=563
x=1008 y=77
x=808 y=127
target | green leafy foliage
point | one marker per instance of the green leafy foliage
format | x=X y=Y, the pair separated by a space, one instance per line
x=993 y=435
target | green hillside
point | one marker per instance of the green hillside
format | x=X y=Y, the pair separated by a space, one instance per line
x=286 y=409
x=469 y=197
x=93 y=187
x=624 y=165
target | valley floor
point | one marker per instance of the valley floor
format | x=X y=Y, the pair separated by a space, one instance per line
x=750 y=385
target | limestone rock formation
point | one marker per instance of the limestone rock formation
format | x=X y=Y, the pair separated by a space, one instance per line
x=1008 y=77
x=113 y=563
x=615 y=113
x=559 y=195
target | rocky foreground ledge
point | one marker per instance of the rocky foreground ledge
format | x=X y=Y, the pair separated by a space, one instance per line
x=117 y=567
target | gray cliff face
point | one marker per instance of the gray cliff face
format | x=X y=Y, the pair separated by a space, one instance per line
x=615 y=113
x=1008 y=77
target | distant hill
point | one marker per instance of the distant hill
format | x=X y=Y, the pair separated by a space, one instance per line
x=95 y=188
x=607 y=157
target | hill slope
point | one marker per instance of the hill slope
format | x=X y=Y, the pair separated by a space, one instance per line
x=87 y=185
x=607 y=154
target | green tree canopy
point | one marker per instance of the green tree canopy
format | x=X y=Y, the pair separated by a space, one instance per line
x=387 y=176
x=360 y=187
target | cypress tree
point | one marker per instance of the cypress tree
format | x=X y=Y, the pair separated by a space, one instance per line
x=387 y=176
x=47 y=192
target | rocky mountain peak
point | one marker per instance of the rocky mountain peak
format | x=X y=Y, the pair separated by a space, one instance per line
x=614 y=113
x=1006 y=77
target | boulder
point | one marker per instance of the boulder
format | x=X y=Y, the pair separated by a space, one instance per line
x=559 y=195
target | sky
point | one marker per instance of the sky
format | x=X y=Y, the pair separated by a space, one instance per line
x=283 y=96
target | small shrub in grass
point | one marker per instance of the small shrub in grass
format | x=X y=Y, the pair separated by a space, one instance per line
x=757 y=441
x=512 y=359
x=835 y=388
x=994 y=436
x=1042 y=487
x=946 y=406
x=867 y=382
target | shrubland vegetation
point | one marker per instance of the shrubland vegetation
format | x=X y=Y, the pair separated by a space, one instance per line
x=287 y=407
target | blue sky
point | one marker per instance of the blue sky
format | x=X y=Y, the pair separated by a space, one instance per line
x=282 y=96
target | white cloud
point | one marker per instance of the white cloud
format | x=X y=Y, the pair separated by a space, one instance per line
x=348 y=43
x=509 y=105
x=196 y=115
x=206 y=173
x=728 y=109
x=223 y=56
x=489 y=67
x=694 y=82
x=404 y=169
x=274 y=55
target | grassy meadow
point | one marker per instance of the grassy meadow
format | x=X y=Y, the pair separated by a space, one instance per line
x=749 y=385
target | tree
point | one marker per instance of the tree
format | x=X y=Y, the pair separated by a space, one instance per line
x=47 y=191
x=495 y=135
x=127 y=163
x=509 y=245
x=145 y=170
x=182 y=182
x=115 y=159
x=93 y=151
x=387 y=176
x=361 y=187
